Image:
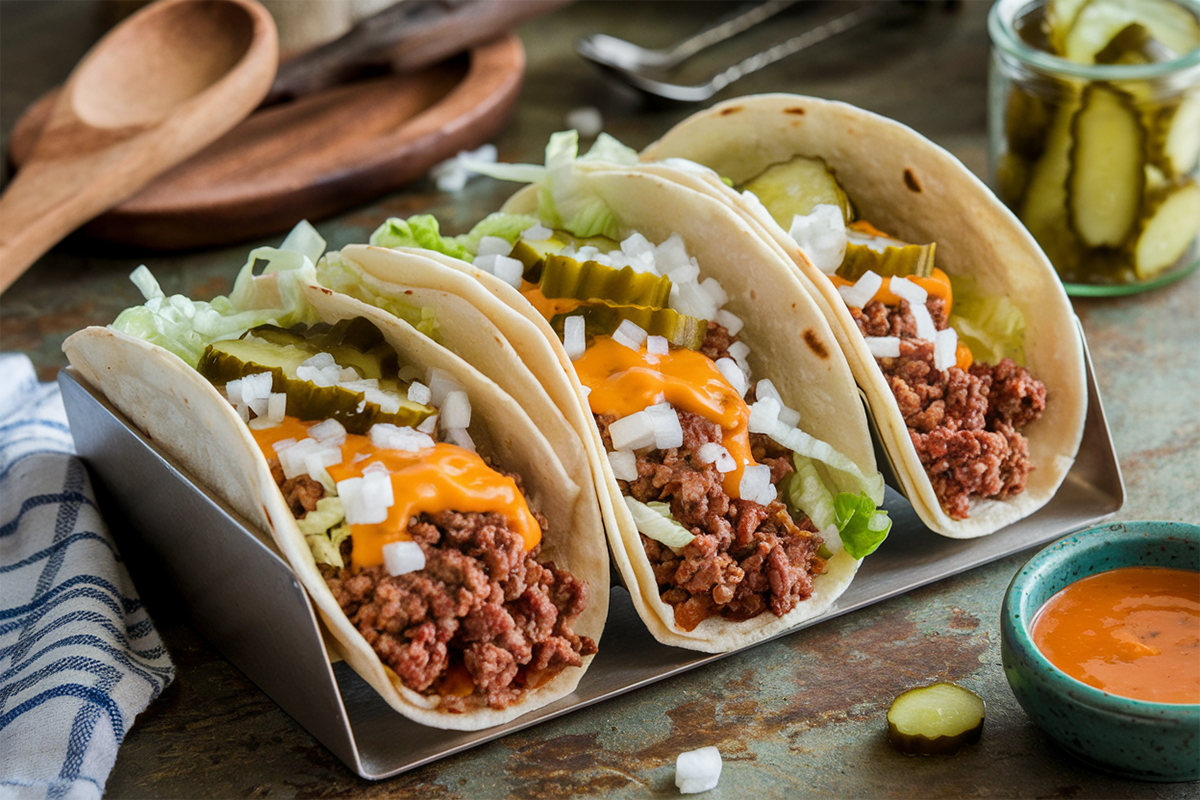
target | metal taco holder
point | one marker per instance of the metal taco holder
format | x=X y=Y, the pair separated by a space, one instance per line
x=243 y=597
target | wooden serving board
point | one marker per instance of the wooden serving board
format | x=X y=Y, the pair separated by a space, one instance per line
x=313 y=156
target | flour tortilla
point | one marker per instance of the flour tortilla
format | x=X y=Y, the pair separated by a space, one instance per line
x=791 y=343
x=183 y=413
x=913 y=189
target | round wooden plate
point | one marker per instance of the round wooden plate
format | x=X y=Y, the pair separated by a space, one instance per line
x=314 y=156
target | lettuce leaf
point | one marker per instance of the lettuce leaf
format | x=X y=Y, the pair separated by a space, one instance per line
x=268 y=290
x=992 y=326
x=422 y=230
x=333 y=272
x=860 y=524
x=654 y=520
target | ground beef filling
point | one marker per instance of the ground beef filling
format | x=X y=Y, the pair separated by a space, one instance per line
x=747 y=558
x=965 y=425
x=480 y=624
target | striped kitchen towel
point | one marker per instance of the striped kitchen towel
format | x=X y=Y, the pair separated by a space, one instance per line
x=79 y=657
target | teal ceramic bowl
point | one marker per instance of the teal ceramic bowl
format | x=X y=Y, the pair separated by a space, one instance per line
x=1126 y=737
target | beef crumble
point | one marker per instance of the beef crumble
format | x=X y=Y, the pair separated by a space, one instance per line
x=483 y=621
x=964 y=424
x=746 y=558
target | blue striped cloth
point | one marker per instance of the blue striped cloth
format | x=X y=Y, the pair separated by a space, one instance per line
x=79 y=657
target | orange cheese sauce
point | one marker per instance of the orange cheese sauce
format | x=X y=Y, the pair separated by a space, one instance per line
x=444 y=477
x=1133 y=632
x=624 y=381
x=548 y=307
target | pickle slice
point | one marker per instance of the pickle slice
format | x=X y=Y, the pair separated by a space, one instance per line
x=797 y=187
x=1134 y=44
x=1043 y=209
x=1174 y=143
x=602 y=318
x=1027 y=119
x=1059 y=19
x=532 y=253
x=1012 y=176
x=935 y=720
x=1168 y=228
x=1100 y=21
x=231 y=359
x=1106 y=177
x=563 y=276
x=904 y=261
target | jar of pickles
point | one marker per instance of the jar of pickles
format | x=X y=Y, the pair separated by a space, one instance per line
x=1094 y=135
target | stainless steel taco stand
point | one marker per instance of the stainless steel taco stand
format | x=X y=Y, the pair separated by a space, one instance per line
x=242 y=596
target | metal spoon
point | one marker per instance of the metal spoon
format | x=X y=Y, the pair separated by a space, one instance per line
x=609 y=51
x=695 y=93
x=159 y=87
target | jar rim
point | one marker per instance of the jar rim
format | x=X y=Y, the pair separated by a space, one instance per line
x=1004 y=36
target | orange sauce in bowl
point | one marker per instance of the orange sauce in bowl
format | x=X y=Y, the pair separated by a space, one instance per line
x=1133 y=632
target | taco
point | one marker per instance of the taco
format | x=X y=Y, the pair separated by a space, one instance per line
x=458 y=565
x=953 y=320
x=726 y=427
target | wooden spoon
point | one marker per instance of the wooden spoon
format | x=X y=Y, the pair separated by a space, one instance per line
x=157 y=88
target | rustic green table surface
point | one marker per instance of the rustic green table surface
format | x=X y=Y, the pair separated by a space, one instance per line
x=799 y=716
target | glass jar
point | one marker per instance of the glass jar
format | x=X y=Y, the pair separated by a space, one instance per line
x=1099 y=160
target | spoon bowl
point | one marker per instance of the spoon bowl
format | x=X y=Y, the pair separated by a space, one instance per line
x=159 y=87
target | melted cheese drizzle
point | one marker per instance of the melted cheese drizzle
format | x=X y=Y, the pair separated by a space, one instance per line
x=624 y=381
x=439 y=478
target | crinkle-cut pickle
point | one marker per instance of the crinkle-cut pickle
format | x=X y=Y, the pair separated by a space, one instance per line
x=935 y=720
x=1106 y=176
x=532 y=252
x=907 y=261
x=231 y=359
x=602 y=318
x=1100 y=21
x=1174 y=142
x=563 y=276
x=1043 y=209
x=796 y=187
x=1167 y=229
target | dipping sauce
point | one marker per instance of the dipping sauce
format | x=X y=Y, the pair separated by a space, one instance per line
x=1133 y=632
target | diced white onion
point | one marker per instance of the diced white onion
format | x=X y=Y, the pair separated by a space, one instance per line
x=657 y=345
x=233 y=391
x=685 y=273
x=690 y=299
x=363 y=499
x=574 y=336
x=492 y=246
x=883 y=346
x=636 y=244
x=945 y=349
x=419 y=393
x=428 y=425
x=698 y=770
x=485 y=262
x=509 y=270
x=629 y=334
x=671 y=254
x=715 y=291
x=319 y=361
x=328 y=432
x=537 y=233
x=925 y=328
x=276 y=407
x=764 y=415
x=460 y=437
x=393 y=437
x=740 y=352
x=256 y=386
x=632 y=432
x=717 y=455
x=456 y=410
x=624 y=465
x=243 y=411
x=821 y=235
x=667 y=430
x=440 y=384
x=905 y=289
x=862 y=291
x=789 y=416
x=756 y=484
x=282 y=444
x=733 y=373
x=402 y=557
x=730 y=322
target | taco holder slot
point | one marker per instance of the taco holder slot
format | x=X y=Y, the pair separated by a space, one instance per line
x=243 y=598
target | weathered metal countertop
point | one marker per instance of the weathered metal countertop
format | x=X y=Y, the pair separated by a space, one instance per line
x=799 y=716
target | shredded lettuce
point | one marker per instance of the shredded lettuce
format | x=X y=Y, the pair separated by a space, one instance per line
x=273 y=295
x=805 y=491
x=326 y=548
x=333 y=272
x=328 y=513
x=422 y=231
x=837 y=469
x=860 y=524
x=654 y=520
x=992 y=326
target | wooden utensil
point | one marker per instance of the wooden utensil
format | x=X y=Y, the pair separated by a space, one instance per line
x=156 y=89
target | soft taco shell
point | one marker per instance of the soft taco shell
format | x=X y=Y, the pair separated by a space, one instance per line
x=908 y=186
x=790 y=342
x=191 y=420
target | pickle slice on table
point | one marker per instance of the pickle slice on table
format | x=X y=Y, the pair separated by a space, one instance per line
x=1106 y=176
x=602 y=318
x=1168 y=228
x=563 y=276
x=797 y=187
x=935 y=720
